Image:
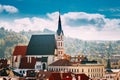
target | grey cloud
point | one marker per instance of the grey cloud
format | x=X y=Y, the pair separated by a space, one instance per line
x=98 y=22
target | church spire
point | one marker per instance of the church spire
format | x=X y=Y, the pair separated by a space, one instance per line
x=59 y=30
x=108 y=66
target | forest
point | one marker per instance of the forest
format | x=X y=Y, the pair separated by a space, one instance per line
x=9 y=39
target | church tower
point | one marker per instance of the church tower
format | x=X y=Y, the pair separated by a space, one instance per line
x=60 y=40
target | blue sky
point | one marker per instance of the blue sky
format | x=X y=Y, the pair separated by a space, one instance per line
x=110 y=8
x=98 y=19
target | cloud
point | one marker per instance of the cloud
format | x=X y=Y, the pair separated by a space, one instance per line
x=8 y=8
x=80 y=25
x=1 y=8
x=111 y=9
x=83 y=19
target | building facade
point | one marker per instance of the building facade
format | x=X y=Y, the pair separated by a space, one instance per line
x=91 y=70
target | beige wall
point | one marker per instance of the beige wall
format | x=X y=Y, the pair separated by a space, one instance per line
x=112 y=76
x=90 y=70
x=16 y=64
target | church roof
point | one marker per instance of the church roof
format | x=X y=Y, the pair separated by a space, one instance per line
x=41 y=45
x=20 y=50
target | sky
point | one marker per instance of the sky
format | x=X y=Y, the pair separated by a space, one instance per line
x=82 y=19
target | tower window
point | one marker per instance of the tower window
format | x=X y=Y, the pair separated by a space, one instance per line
x=58 y=37
x=58 y=43
x=61 y=37
x=61 y=43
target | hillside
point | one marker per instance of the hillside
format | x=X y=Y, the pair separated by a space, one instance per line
x=9 y=39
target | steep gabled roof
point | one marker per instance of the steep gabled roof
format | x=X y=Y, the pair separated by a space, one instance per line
x=41 y=45
x=59 y=30
x=20 y=50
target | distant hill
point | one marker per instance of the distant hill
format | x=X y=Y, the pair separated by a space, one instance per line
x=9 y=39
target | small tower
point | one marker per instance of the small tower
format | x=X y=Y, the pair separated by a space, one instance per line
x=60 y=40
x=108 y=68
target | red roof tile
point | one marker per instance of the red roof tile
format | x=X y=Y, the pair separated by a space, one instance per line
x=56 y=76
x=65 y=75
x=60 y=76
x=82 y=77
x=20 y=50
x=43 y=75
x=61 y=62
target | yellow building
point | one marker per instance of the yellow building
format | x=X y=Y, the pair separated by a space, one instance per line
x=93 y=70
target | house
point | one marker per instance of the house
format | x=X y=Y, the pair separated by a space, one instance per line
x=41 y=51
x=19 y=52
x=35 y=56
x=91 y=69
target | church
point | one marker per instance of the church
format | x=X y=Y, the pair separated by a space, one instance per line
x=41 y=51
x=46 y=52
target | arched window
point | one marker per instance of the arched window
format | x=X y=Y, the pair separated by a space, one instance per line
x=58 y=43
x=44 y=66
x=23 y=72
x=20 y=71
x=61 y=37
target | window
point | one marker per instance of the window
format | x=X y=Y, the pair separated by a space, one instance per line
x=61 y=43
x=82 y=70
x=20 y=71
x=88 y=70
x=58 y=37
x=23 y=72
x=58 y=43
x=61 y=37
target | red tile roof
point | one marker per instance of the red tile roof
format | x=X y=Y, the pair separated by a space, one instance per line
x=82 y=77
x=44 y=75
x=60 y=76
x=61 y=62
x=20 y=50
x=56 y=76
x=66 y=75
